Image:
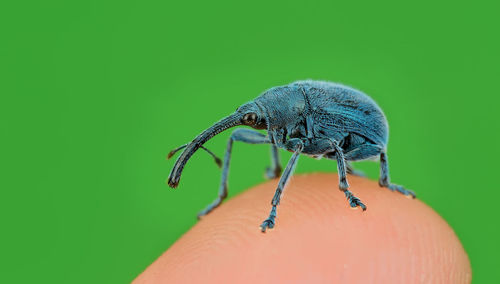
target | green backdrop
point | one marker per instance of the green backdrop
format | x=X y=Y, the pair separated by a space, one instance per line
x=95 y=93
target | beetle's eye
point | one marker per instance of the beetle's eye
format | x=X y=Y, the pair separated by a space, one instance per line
x=250 y=118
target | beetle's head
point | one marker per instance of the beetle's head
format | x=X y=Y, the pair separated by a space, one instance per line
x=251 y=115
x=248 y=114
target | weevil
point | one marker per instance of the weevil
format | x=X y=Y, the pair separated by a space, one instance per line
x=315 y=118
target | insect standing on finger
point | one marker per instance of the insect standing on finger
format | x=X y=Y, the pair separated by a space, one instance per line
x=314 y=118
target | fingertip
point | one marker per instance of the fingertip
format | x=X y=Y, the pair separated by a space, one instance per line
x=316 y=239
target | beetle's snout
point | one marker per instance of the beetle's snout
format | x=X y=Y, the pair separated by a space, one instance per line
x=227 y=122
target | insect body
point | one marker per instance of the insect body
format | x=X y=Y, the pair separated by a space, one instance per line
x=315 y=118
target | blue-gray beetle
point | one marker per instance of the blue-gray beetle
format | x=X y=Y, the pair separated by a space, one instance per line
x=316 y=118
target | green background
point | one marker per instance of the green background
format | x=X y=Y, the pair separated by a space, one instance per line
x=95 y=93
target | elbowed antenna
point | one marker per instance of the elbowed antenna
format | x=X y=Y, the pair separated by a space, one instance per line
x=225 y=123
x=217 y=160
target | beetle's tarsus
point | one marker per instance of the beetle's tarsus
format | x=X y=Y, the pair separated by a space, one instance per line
x=207 y=210
x=210 y=207
x=268 y=223
x=400 y=189
x=385 y=181
x=354 y=201
x=204 y=212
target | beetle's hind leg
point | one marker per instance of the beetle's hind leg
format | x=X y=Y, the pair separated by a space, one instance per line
x=244 y=135
x=385 y=180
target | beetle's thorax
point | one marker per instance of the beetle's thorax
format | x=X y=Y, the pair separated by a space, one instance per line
x=283 y=107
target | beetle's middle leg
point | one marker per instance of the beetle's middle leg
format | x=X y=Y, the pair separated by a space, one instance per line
x=248 y=136
x=385 y=180
x=342 y=169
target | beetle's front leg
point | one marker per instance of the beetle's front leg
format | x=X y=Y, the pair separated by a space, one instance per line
x=270 y=221
x=244 y=135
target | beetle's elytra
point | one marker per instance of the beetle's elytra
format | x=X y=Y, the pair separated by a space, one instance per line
x=316 y=118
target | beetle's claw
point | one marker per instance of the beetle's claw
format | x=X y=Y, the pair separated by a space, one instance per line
x=268 y=223
x=410 y=193
x=358 y=202
x=354 y=201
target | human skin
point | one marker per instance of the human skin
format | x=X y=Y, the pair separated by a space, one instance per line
x=318 y=238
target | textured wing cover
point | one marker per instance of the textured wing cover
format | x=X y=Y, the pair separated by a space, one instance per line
x=337 y=108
